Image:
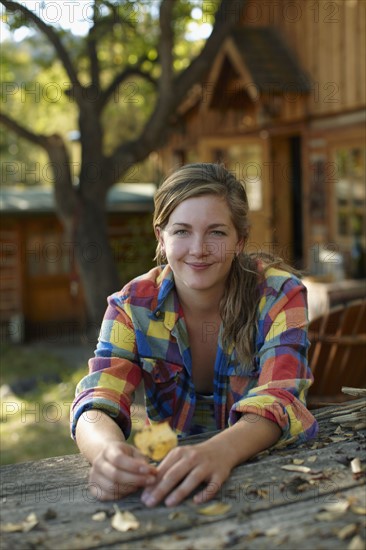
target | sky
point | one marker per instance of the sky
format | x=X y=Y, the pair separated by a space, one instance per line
x=75 y=15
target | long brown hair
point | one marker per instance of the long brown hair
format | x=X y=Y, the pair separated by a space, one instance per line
x=238 y=306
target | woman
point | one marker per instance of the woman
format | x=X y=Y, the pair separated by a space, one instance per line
x=218 y=338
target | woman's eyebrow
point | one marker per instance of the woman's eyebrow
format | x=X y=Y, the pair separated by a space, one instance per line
x=211 y=226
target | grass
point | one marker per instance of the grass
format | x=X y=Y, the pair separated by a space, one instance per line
x=35 y=424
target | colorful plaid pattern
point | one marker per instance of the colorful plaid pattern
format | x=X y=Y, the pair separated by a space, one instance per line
x=144 y=338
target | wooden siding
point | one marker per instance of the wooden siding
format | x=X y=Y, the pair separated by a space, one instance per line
x=329 y=41
x=40 y=288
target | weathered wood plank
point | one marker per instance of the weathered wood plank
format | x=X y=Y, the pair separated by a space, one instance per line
x=56 y=491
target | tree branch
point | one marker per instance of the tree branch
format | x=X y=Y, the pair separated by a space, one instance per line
x=93 y=54
x=50 y=34
x=120 y=77
x=38 y=139
x=227 y=17
x=166 y=44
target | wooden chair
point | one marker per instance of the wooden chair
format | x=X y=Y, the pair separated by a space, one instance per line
x=337 y=355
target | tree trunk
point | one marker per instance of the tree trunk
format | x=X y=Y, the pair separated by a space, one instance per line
x=98 y=271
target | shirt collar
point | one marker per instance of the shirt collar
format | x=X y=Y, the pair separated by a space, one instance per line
x=167 y=307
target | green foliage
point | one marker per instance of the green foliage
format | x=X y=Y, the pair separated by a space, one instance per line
x=35 y=424
x=35 y=82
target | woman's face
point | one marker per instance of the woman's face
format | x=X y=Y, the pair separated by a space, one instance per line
x=200 y=242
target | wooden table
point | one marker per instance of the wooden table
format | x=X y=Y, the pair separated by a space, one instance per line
x=319 y=508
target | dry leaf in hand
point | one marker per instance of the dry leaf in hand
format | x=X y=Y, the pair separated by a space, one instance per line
x=215 y=509
x=156 y=440
x=124 y=521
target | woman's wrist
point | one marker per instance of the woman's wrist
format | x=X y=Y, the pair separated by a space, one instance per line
x=244 y=439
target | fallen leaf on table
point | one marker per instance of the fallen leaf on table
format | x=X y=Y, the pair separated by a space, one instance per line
x=272 y=532
x=333 y=511
x=99 y=516
x=124 y=521
x=298 y=461
x=356 y=468
x=215 y=509
x=177 y=515
x=294 y=468
x=24 y=526
x=357 y=543
x=156 y=440
x=338 y=507
x=347 y=531
x=358 y=510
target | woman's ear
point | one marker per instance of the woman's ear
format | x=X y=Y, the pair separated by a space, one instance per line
x=159 y=236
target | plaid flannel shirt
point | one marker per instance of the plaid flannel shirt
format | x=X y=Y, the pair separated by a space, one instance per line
x=143 y=337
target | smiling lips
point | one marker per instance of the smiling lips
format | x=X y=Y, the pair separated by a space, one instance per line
x=199 y=266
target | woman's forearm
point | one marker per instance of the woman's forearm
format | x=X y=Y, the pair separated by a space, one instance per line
x=94 y=430
x=247 y=437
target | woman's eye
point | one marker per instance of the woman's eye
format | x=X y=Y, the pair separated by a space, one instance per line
x=219 y=233
x=180 y=232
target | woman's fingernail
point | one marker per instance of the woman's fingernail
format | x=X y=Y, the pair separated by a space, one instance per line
x=150 y=480
x=170 y=501
x=144 y=470
x=149 y=500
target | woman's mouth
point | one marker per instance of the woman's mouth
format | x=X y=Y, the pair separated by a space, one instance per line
x=198 y=266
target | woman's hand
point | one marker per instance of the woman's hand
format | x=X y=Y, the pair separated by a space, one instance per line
x=184 y=469
x=118 y=470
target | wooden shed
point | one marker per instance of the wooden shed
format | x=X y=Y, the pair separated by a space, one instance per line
x=40 y=293
x=283 y=106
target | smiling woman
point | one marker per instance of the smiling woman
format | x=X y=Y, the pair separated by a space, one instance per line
x=200 y=249
x=219 y=339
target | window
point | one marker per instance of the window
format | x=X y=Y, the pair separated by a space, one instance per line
x=350 y=194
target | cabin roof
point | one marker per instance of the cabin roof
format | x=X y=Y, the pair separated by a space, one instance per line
x=251 y=55
x=122 y=197
x=269 y=60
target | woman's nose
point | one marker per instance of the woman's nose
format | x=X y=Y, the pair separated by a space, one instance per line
x=197 y=246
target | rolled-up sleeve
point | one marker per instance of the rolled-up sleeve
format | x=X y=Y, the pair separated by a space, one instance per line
x=114 y=373
x=283 y=373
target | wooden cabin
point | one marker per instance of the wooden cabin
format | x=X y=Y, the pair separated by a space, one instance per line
x=37 y=264
x=283 y=106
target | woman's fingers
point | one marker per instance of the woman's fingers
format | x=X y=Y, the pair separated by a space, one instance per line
x=181 y=472
x=181 y=469
x=116 y=472
x=129 y=462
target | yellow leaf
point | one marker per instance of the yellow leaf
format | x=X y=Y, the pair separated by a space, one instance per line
x=359 y=510
x=124 y=521
x=294 y=468
x=347 y=531
x=24 y=526
x=215 y=509
x=99 y=516
x=156 y=440
x=298 y=461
